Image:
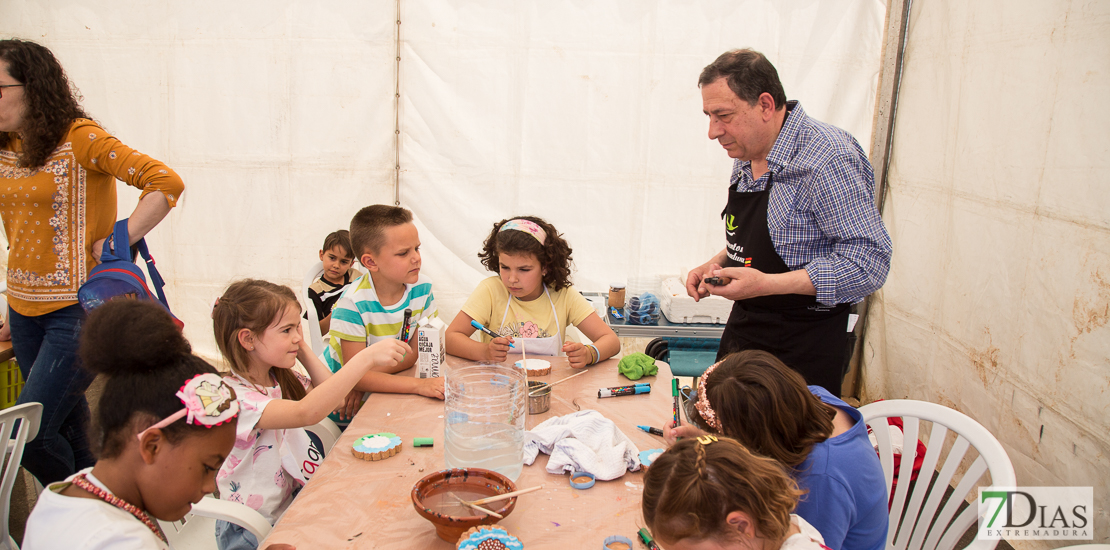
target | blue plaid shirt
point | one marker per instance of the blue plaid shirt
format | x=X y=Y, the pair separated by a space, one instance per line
x=821 y=213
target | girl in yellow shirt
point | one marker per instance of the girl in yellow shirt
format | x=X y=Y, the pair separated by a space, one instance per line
x=530 y=302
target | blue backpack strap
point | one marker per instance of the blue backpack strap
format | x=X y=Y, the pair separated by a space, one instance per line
x=121 y=240
x=155 y=277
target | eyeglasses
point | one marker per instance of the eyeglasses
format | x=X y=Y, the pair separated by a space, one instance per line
x=9 y=86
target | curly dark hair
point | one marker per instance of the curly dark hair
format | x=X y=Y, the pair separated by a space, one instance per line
x=146 y=360
x=51 y=102
x=553 y=254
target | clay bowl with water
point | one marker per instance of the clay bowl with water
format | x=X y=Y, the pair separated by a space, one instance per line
x=436 y=499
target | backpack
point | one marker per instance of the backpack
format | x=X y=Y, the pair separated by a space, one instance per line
x=117 y=276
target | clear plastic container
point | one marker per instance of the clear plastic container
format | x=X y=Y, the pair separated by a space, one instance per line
x=484 y=418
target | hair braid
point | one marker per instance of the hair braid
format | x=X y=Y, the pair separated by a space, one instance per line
x=699 y=460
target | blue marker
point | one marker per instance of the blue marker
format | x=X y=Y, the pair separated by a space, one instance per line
x=491 y=334
x=618 y=391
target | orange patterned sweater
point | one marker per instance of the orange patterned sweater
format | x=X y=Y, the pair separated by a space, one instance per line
x=54 y=213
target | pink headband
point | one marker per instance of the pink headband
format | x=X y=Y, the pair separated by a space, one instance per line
x=208 y=401
x=526 y=226
x=702 y=405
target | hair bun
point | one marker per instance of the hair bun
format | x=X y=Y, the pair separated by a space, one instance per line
x=130 y=337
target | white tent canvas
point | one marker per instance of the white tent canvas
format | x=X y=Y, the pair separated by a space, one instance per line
x=284 y=118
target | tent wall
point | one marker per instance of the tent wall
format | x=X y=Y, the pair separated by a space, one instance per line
x=999 y=295
x=280 y=117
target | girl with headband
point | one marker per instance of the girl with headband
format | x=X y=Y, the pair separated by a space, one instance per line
x=754 y=398
x=530 y=303
x=165 y=422
x=707 y=492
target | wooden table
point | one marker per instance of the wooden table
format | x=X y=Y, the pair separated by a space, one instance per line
x=351 y=503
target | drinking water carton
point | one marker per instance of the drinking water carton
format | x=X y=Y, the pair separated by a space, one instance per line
x=430 y=343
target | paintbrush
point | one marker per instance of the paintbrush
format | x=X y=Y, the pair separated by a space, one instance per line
x=504 y=496
x=544 y=387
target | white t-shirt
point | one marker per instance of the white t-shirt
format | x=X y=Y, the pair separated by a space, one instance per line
x=66 y=523
x=808 y=539
x=264 y=467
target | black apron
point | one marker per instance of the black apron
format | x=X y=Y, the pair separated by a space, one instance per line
x=809 y=337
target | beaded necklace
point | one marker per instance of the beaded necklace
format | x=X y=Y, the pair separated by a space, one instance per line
x=83 y=483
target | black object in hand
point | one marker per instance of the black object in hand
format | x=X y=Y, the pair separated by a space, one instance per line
x=717 y=281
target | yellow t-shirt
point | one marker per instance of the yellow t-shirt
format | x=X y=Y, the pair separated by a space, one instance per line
x=54 y=213
x=533 y=319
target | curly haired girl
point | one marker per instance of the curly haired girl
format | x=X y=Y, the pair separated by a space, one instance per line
x=531 y=301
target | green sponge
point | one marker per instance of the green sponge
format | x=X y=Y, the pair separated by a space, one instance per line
x=637 y=365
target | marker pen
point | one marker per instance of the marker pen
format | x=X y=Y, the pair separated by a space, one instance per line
x=405 y=325
x=491 y=333
x=651 y=430
x=618 y=391
x=674 y=391
x=648 y=541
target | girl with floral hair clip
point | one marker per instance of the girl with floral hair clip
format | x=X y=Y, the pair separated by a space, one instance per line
x=530 y=302
x=712 y=493
x=165 y=422
x=822 y=441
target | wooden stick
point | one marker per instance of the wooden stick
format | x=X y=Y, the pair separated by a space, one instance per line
x=504 y=496
x=476 y=507
x=523 y=356
x=541 y=388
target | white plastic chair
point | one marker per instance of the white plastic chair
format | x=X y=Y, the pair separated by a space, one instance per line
x=315 y=339
x=28 y=415
x=197 y=530
x=327 y=431
x=921 y=508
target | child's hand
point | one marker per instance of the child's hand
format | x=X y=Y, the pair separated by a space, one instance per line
x=385 y=353
x=498 y=349
x=350 y=405
x=578 y=355
x=430 y=387
x=686 y=430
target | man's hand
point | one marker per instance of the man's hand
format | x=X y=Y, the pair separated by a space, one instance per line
x=694 y=285
x=746 y=282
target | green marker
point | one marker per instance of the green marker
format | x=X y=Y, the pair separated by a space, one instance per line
x=674 y=392
x=648 y=541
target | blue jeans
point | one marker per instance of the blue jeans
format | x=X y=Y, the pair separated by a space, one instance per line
x=230 y=536
x=46 y=349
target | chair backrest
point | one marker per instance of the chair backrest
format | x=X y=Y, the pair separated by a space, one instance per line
x=315 y=339
x=27 y=416
x=923 y=527
x=197 y=530
x=327 y=431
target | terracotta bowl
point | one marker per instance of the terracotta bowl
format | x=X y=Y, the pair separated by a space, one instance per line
x=469 y=480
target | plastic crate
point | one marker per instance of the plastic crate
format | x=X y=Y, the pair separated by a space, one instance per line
x=11 y=383
x=691 y=356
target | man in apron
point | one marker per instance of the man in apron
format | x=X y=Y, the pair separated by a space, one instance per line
x=804 y=239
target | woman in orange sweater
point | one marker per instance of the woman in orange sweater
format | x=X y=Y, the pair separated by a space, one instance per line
x=58 y=172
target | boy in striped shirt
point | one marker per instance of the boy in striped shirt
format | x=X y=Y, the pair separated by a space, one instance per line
x=373 y=307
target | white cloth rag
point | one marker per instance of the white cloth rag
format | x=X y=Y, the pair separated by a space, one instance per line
x=584 y=441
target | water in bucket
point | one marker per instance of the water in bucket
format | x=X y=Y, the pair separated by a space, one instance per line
x=484 y=420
